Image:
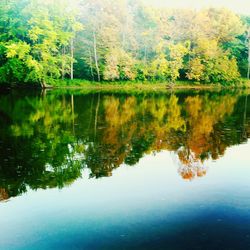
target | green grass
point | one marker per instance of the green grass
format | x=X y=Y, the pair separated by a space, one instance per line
x=146 y=85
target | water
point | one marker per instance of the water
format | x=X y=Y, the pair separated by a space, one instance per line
x=124 y=171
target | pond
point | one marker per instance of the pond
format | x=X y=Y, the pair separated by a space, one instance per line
x=124 y=171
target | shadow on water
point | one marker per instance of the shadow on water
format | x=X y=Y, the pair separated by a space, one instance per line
x=46 y=140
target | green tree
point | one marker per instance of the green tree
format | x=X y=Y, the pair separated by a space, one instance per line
x=41 y=29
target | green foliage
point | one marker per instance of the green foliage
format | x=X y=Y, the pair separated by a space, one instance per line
x=32 y=39
x=122 y=40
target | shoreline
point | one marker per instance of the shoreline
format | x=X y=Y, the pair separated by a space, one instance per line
x=128 y=86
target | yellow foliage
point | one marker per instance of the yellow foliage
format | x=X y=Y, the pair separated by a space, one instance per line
x=195 y=69
x=19 y=50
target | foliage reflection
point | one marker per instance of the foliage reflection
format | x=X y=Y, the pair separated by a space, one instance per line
x=47 y=141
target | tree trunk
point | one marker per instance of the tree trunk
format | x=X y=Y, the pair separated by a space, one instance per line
x=96 y=58
x=91 y=112
x=91 y=66
x=72 y=59
x=44 y=85
x=248 y=67
x=96 y=113
x=244 y=120
x=43 y=93
x=63 y=63
x=73 y=113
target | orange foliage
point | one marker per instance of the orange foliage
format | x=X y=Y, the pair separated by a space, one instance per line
x=3 y=194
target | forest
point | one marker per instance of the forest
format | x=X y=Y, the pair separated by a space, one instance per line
x=48 y=41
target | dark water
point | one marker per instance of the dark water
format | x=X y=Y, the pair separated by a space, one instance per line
x=122 y=171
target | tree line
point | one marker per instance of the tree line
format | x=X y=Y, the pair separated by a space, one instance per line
x=108 y=40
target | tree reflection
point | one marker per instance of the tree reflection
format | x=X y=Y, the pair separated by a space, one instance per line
x=37 y=147
x=47 y=141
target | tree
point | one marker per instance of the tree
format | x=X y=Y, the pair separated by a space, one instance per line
x=33 y=53
x=119 y=66
x=210 y=63
x=176 y=54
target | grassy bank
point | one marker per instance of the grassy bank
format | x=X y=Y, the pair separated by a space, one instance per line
x=130 y=85
x=146 y=85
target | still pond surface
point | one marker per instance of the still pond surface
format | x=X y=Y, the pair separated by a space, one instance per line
x=124 y=171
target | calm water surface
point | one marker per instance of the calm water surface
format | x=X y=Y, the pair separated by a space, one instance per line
x=124 y=171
